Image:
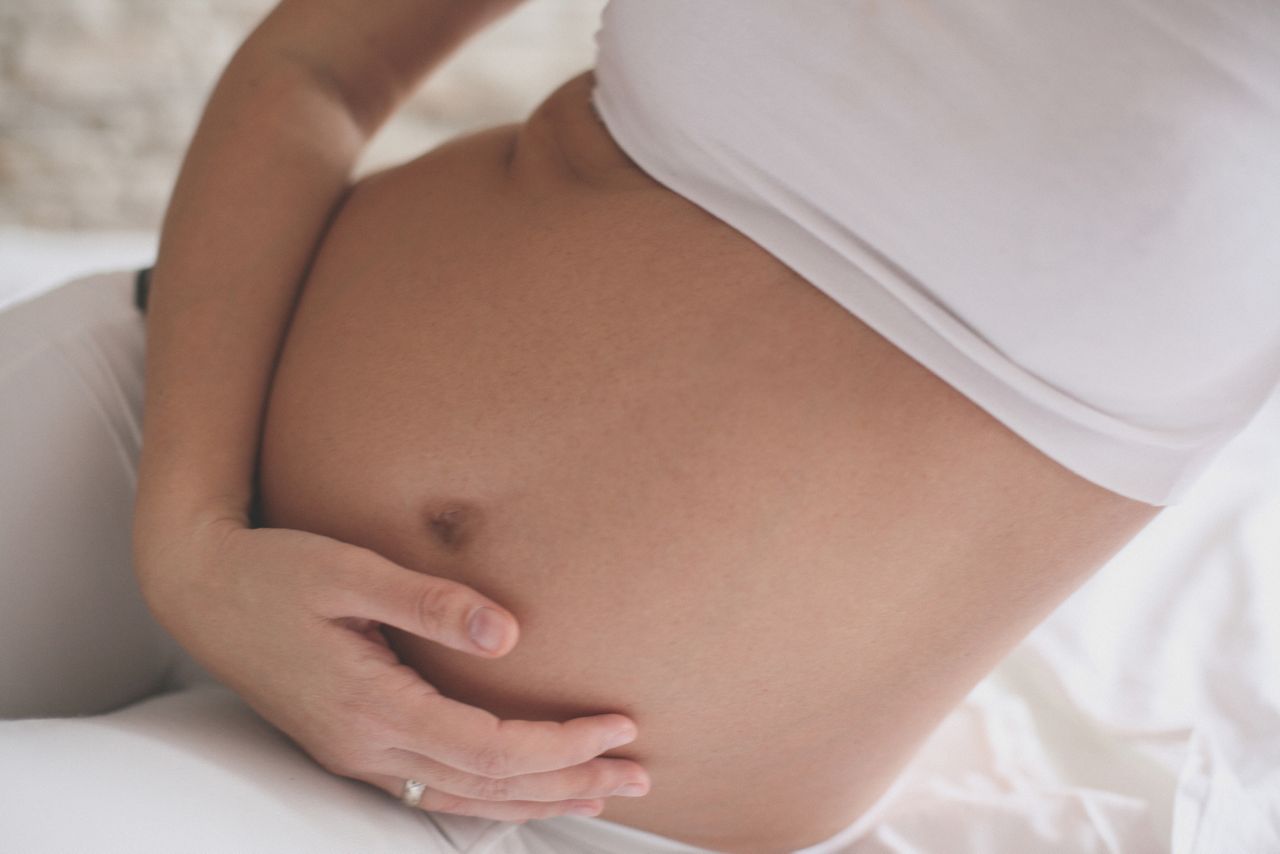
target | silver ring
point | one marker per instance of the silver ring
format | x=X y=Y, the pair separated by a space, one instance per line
x=411 y=794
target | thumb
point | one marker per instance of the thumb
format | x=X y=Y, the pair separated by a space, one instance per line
x=437 y=609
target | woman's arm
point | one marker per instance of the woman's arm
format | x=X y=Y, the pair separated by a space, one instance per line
x=288 y=619
x=268 y=164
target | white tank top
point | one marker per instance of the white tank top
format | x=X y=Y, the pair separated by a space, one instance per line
x=1068 y=211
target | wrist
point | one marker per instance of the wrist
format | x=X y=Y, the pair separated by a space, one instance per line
x=166 y=529
x=185 y=495
x=154 y=510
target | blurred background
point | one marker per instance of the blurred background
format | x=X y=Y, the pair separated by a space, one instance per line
x=99 y=98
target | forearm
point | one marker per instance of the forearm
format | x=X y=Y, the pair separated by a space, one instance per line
x=265 y=169
x=267 y=166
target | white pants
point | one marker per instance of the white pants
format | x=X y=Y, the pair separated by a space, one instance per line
x=119 y=740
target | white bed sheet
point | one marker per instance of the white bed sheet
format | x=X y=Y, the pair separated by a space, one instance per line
x=1142 y=716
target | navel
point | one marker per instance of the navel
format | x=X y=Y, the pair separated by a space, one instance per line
x=452 y=525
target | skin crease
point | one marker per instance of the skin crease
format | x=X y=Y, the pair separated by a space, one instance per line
x=716 y=501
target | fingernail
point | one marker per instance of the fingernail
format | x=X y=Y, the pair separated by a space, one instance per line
x=485 y=628
x=619 y=738
x=632 y=790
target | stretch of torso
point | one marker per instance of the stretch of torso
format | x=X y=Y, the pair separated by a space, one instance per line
x=715 y=500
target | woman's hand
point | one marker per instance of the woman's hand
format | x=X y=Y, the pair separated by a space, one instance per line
x=290 y=621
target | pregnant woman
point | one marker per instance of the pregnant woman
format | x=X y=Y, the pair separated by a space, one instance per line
x=772 y=379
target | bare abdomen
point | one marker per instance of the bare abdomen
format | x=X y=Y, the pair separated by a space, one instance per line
x=715 y=501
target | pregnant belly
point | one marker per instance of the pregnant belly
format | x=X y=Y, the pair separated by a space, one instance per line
x=715 y=501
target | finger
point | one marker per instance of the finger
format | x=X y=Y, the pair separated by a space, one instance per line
x=436 y=801
x=437 y=609
x=474 y=740
x=597 y=778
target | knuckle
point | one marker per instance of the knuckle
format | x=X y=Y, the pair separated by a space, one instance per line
x=493 y=760
x=493 y=789
x=435 y=602
x=601 y=779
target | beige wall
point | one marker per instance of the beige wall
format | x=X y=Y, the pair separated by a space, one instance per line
x=98 y=98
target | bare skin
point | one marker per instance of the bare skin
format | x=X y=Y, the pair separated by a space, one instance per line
x=715 y=500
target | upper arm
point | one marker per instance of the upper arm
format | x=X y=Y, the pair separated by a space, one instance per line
x=371 y=55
